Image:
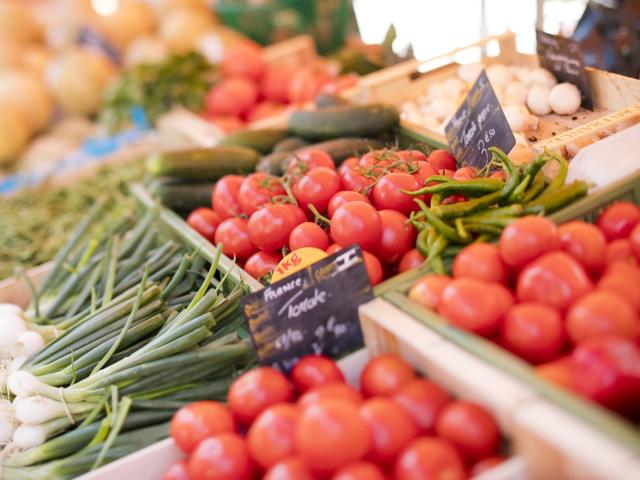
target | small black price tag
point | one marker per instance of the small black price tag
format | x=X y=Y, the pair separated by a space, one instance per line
x=479 y=124
x=313 y=311
x=563 y=57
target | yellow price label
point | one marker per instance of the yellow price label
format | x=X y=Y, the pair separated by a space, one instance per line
x=296 y=261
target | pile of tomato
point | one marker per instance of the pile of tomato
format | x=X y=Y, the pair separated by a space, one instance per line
x=314 y=426
x=258 y=217
x=565 y=298
x=250 y=89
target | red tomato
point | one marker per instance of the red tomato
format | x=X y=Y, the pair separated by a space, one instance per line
x=480 y=261
x=257 y=190
x=262 y=263
x=388 y=194
x=533 y=331
x=442 y=160
x=632 y=272
x=275 y=82
x=316 y=187
x=618 y=220
x=254 y=391
x=270 y=438
x=336 y=389
x=356 y=222
x=354 y=179
x=429 y=458
x=620 y=250
x=224 y=198
x=351 y=162
x=486 y=464
x=177 y=471
x=343 y=197
x=340 y=83
x=555 y=279
x=451 y=199
x=199 y=420
x=526 y=239
x=232 y=96
x=471 y=305
x=262 y=110
x=330 y=434
x=333 y=248
x=634 y=238
x=410 y=260
x=425 y=170
x=243 y=61
x=499 y=174
x=601 y=313
x=222 y=457
x=377 y=160
x=470 y=428
x=270 y=227
x=233 y=234
x=359 y=471
x=204 y=221
x=384 y=375
x=308 y=160
x=422 y=400
x=226 y=123
x=290 y=469
x=428 y=290
x=308 y=234
x=306 y=84
x=411 y=156
x=559 y=372
x=398 y=237
x=374 y=268
x=315 y=370
x=465 y=173
x=620 y=284
x=584 y=242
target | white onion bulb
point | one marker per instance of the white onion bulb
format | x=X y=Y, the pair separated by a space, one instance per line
x=29 y=436
x=30 y=342
x=11 y=327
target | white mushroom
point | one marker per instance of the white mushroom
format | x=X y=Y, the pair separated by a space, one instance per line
x=499 y=75
x=517 y=116
x=517 y=91
x=469 y=73
x=538 y=100
x=565 y=99
x=523 y=75
x=542 y=76
x=453 y=87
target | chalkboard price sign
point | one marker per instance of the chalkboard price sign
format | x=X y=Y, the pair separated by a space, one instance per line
x=313 y=311
x=563 y=57
x=479 y=124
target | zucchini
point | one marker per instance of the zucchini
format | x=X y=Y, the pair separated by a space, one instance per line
x=274 y=163
x=344 y=121
x=203 y=164
x=182 y=196
x=263 y=140
x=290 y=144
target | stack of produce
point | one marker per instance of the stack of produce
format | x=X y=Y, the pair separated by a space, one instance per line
x=314 y=425
x=566 y=299
x=127 y=327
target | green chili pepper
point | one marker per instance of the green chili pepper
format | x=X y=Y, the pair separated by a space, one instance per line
x=437 y=179
x=452 y=250
x=461 y=230
x=483 y=229
x=502 y=221
x=518 y=193
x=436 y=198
x=438 y=225
x=535 y=166
x=421 y=242
x=465 y=187
x=561 y=177
x=536 y=187
x=465 y=208
x=434 y=260
x=514 y=210
x=513 y=178
x=561 y=197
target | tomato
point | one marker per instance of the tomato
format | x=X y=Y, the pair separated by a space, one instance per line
x=275 y=82
x=555 y=279
x=634 y=238
x=422 y=400
x=308 y=234
x=584 y=242
x=470 y=428
x=474 y=305
x=356 y=222
x=204 y=221
x=177 y=471
x=333 y=248
x=309 y=159
x=290 y=469
x=340 y=83
x=315 y=370
x=481 y=261
x=601 y=313
x=224 y=198
x=428 y=290
x=410 y=260
x=526 y=239
x=499 y=174
x=560 y=372
x=384 y=375
x=486 y=464
x=221 y=457
x=398 y=236
x=306 y=84
x=270 y=438
x=233 y=234
x=330 y=433
x=199 y=420
x=257 y=190
x=451 y=199
x=242 y=60
x=316 y=187
x=442 y=159
x=343 y=197
x=390 y=426
x=374 y=268
x=359 y=471
x=429 y=458
x=349 y=163
x=465 y=173
x=376 y=161
x=620 y=250
x=533 y=331
x=336 y=389
x=354 y=179
x=270 y=227
x=262 y=263
x=388 y=194
x=226 y=123
x=425 y=170
x=618 y=220
x=411 y=156
x=232 y=96
x=254 y=391
x=632 y=272
x=262 y=110
x=620 y=284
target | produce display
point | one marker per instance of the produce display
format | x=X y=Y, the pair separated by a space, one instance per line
x=314 y=425
x=564 y=298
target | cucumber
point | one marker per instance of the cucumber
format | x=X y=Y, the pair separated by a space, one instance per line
x=263 y=140
x=326 y=100
x=203 y=164
x=182 y=196
x=274 y=163
x=345 y=121
x=290 y=144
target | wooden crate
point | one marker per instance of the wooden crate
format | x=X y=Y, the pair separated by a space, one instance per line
x=616 y=98
x=551 y=443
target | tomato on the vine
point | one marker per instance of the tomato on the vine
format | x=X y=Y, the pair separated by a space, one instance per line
x=388 y=193
x=354 y=179
x=224 y=457
x=398 y=236
x=411 y=156
x=424 y=171
x=199 y=420
x=269 y=227
x=315 y=370
x=349 y=163
x=204 y=221
x=422 y=400
x=224 y=198
x=384 y=375
x=307 y=160
x=262 y=263
x=343 y=197
x=308 y=234
x=356 y=222
x=374 y=268
x=316 y=187
x=271 y=436
x=233 y=234
x=465 y=173
x=442 y=160
x=618 y=220
x=257 y=190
